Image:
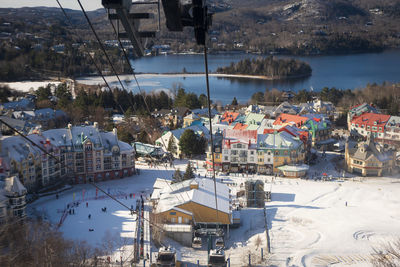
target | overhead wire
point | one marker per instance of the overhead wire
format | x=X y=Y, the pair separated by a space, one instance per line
x=135 y=78
x=59 y=161
x=101 y=46
x=128 y=61
x=210 y=124
x=86 y=49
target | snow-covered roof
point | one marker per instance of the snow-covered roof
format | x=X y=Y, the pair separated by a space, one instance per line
x=161 y=183
x=197 y=129
x=81 y=133
x=369 y=149
x=280 y=140
x=180 y=193
x=14 y=187
x=16 y=148
x=59 y=137
x=124 y=146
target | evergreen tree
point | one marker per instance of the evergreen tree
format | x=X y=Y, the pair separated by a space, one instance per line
x=203 y=100
x=171 y=145
x=43 y=93
x=177 y=177
x=189 y=174
x=188 y=142
x=234 y=101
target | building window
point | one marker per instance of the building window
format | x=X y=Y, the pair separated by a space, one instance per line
x=239 y=145
x=226 y=158
x=251 y=152
x=380 y=128
x=172 y=213
x=186 y=220
x=173 y=219
x=368 y=127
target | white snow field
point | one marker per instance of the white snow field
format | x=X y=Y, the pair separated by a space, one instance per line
x=309 y=223
x=26 y=86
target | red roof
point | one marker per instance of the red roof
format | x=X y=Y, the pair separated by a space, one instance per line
x=229 y=117
x=371 y=119
x=240 y=126
x=288 y=118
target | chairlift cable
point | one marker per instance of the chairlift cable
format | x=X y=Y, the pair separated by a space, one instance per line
x=86 y=50
x=101 y=46
x=84 y=46
x=210 y=122
x=128 y=61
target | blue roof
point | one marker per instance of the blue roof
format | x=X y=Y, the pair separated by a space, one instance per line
x=196 y=128
x=23 y=104
x=204 y=111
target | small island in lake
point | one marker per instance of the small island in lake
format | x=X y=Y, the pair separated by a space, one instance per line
x=268 y=68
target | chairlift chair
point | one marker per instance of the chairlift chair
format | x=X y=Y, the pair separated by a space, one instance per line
x=219 y=243
x=216 y=258
x=197 y=242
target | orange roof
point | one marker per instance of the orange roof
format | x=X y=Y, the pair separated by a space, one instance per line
x=288 y=119
x=240 y=126
x=371 y=119
x=229 y=117
x=268 y=131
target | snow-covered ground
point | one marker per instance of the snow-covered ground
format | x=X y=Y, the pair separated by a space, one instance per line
x=309 y=222
x=26 y=86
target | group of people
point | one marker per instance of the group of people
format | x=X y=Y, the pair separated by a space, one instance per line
x=71 y=207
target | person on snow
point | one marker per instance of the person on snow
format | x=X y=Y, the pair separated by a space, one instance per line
x=89 y=216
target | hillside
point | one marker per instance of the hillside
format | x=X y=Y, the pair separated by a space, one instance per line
x=29 y=36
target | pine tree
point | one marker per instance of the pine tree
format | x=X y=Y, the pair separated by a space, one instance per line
x=189 y=172
x=177 y=177
x=234 y=101
x=171 y=145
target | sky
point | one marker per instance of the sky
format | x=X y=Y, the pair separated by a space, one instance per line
x=88 y=4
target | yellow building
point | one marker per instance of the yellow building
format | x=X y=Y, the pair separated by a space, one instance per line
x=192 y=201
x=279 y=149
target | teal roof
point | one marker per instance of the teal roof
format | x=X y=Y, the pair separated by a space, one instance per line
x=279 y=140
x=254 y=118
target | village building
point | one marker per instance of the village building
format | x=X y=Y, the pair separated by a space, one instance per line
x=192 y=202
x=15 y=192
x=175 y=135
x=359 y=110
x=239 y=151
x=278 y=149
x=80 y=154
x=171 y=116
x=369 y=158
x=317 y=125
